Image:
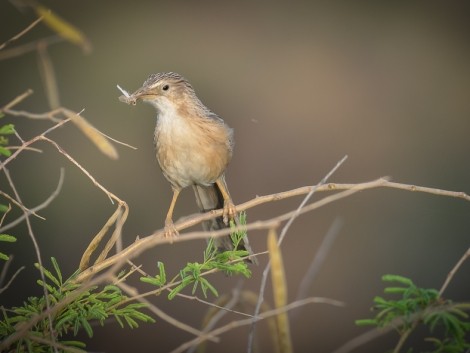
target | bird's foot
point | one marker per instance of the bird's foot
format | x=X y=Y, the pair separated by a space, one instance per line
x=229 y=211
x=170 y=231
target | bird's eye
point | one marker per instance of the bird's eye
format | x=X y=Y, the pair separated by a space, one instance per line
x=166 y=87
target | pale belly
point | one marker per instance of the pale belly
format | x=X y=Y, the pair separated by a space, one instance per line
x=191 y=156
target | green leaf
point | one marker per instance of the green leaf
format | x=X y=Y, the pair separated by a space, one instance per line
x=5 y=151
x=4 y=208
x=7 y=129
x=7 y=238
x=118 y=319
x=176 y=290
x=210 y=250
x=4 y=256
x=206 y=285
x=151 y=280
x=86 y=326
x=397 y=278
x=57 y=269
x=395 y=290
x=366 y=322
x=48 y=274
x=162 y=274
x=77 y=344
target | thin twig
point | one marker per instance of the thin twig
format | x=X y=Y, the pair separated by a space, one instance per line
x=10 y=281
x=17 y=100
x=39 y=207
x=56 y=345
x=454 y=270
x=162 y=315
x=46 y=69
x=2 y=219
x=262 y=316
x=28 y=47
x=226 y=308
x=221 y=313
x=22 y=33
x=19 y=204
x=318 y=259
x=5 y=268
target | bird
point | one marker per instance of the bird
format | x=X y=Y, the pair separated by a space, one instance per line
x=193 y=148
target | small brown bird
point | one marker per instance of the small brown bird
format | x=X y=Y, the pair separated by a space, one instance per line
x=194 y=147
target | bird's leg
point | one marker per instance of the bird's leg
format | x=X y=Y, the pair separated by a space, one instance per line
x=170 y=230
x=229 y=208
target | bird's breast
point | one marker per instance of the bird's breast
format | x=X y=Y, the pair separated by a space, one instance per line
x=191 y=150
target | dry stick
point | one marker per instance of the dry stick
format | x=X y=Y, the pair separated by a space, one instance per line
x=98 y=138
x=30 y=142
x=38 y=256
x=164 y=316
x=4 y=272
x=50 y=115
x=244 y=322
x=225 y=308
x=452 y=272
x=17 y=272
x=46 y=70
x=318 y=259
x=20 y=205
x=221 y=313
x=264 y=278
x=76 y=118
x=28 y=47
x=17 y=100
x=90 y=132
x=121 y=219
x=84 y=262
x=22 y=33
x=5 y=215
x=56 y=345
x=39 y=207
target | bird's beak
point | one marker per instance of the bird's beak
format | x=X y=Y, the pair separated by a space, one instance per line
x=141 y=93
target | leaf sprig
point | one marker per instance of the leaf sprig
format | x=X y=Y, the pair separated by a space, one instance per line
x=90 y=306
x=417 y=306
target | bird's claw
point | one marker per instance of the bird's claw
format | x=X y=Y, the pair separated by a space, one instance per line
x=170 y=231
x=229 y=211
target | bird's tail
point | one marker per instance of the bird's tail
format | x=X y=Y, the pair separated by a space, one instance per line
x=210 y=198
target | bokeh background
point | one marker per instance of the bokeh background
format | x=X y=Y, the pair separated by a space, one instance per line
x=302 y=84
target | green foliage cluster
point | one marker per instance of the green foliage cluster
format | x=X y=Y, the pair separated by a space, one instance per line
x=230 y=261
x=420 y=306
x=83 y=309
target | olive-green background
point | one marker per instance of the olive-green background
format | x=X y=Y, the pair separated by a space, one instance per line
x=302 y=84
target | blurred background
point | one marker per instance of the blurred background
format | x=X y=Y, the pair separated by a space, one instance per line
x=303 y=84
